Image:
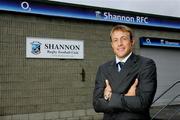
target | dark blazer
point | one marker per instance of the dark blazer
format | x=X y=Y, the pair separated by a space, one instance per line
x=122 y=107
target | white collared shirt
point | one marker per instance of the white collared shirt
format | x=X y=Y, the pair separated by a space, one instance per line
x=122 y=60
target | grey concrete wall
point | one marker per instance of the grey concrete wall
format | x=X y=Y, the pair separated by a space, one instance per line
x=44 y=85
x=40 y=87
x=87 y=114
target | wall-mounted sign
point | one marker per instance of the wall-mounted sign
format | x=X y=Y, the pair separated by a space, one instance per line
x=88 y=13
x=54 y=48
x=159 y=42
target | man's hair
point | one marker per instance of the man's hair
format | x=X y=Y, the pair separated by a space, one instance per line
x=122 y=28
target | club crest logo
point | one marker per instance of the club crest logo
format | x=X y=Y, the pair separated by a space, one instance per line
x=36 y=47
x=162 y=41
x=98 y=14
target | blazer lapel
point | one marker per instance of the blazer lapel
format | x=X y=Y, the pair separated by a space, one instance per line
x=129 y=67
x=121 y=81
x=113 y=72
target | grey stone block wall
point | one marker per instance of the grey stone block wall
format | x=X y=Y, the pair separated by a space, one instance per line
x=33 y=86
x=47 y=88
x=87 y=114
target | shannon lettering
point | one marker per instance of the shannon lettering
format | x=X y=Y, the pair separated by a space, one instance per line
x=62 y=47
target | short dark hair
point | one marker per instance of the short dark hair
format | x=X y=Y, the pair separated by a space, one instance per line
x=124 y=29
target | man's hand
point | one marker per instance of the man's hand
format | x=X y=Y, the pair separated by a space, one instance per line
x=132 y=89
x=107 y=91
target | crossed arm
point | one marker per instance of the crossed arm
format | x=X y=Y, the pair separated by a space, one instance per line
x=138 y=98
x=108 y=90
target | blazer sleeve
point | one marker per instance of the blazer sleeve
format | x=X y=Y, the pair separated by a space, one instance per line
x=99 y=103
x=145 y=91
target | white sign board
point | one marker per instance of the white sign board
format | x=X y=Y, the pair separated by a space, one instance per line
x=54 y=48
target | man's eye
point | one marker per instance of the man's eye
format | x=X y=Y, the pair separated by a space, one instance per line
x=124 y=38
x=115 y=40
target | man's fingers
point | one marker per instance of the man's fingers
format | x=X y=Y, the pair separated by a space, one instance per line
x=135 y=83
x=107 y=82
x=108 y=87
x=107 y=91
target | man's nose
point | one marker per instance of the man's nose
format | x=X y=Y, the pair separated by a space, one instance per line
x=119 y=42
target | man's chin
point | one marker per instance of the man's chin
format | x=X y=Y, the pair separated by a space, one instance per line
x=121 y=56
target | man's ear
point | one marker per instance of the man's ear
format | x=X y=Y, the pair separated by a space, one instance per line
x=133 y=42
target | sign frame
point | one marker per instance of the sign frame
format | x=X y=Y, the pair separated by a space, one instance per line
x=159 y=42
x=54 y=48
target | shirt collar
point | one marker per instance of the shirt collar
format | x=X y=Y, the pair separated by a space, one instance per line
x=124 y=59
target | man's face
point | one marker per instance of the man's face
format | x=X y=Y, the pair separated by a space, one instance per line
x=121 y=43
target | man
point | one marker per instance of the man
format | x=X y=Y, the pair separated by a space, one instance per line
x=125 y=87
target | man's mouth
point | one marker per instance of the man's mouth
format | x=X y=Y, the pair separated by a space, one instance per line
x=121 y=49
